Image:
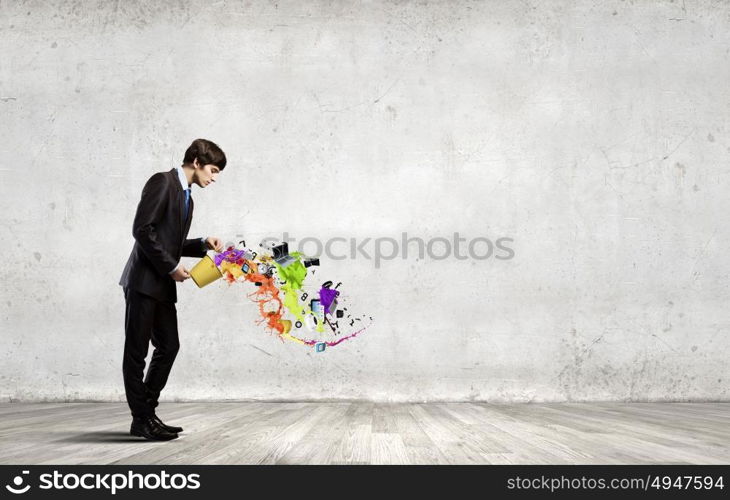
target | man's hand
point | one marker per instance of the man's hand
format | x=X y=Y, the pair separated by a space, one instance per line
x=180 y=274
x=213 y=243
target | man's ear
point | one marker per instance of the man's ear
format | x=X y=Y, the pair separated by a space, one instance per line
x=195 y=163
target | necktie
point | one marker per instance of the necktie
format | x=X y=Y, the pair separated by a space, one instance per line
x=187 y=203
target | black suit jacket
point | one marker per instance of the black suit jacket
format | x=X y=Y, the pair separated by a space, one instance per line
x=160 y=238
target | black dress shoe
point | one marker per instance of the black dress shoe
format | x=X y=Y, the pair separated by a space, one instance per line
x=168 y=428
x=149 y=428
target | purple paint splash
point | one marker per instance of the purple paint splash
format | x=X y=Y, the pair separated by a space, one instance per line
x=326 y=297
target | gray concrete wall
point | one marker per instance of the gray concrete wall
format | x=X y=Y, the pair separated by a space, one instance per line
x=595 y=134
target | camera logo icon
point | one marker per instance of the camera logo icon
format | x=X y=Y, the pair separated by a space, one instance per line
x=18 y=482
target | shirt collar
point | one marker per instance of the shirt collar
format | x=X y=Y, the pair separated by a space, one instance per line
x=181 y=177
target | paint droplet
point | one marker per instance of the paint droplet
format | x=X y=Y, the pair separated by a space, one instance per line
x=37 y=256
x=695 y=188
x=54 y=45
x=710 y=138
x=694 y=348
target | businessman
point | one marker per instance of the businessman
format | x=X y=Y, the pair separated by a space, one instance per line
x=160 y=231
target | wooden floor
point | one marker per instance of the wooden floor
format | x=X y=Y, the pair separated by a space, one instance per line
x=370 y=433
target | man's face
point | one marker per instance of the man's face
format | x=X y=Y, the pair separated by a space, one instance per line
x=205 y=174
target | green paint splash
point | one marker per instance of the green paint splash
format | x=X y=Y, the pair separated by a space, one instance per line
x=294 y=275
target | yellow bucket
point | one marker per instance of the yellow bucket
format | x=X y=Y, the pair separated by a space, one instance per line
x=205 y=272
x=287 y=325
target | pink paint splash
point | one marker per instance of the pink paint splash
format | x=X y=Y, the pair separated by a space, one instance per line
x=330 y=344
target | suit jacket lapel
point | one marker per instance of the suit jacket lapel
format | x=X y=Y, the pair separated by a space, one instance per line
x=180 y=199
x=184 y=224
x=181 y=209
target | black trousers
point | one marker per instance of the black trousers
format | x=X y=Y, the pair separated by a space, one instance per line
x=147 y=319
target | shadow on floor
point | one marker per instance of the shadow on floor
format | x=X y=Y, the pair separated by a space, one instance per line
x=103 y=437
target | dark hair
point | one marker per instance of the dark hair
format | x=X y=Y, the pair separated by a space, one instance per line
x=206 y=152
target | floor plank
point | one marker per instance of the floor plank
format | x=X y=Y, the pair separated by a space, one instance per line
x=371 y=433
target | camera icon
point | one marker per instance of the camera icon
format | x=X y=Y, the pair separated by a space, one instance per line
x=18 y=482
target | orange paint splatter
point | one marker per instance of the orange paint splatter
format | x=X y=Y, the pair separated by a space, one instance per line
x=265 y=295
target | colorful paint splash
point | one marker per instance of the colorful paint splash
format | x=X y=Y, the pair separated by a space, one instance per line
x=319 y=319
